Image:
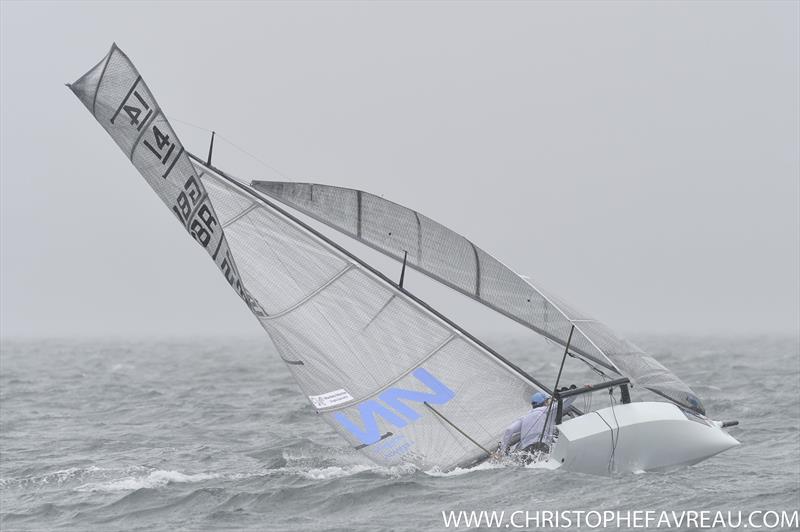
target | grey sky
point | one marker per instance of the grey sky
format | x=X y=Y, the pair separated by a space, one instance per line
x=639 y=159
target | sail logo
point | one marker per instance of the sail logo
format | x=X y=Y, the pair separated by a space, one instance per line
x=390 y=406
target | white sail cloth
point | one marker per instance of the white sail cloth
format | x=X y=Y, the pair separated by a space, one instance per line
x=399 y=383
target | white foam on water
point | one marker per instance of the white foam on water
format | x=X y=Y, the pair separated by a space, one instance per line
x=65 y=476
x=155 y=479
x=483 y=466
x=326 y=473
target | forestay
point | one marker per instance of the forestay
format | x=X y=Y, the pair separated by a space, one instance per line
x=456 y=262
x=395 y=380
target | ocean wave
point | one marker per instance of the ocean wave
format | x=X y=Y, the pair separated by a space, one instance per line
x=100 y=454
x=132 y=478
x=62 y=477
x=154 y=479
x=326 y=473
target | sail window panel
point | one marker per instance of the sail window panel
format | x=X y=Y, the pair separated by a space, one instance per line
x=369 y=334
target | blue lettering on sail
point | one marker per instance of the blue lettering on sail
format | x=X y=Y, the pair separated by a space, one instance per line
x=368 y=431
x=441 y=394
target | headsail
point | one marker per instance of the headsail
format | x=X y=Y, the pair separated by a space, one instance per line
x=453 y=260
x=398 y=381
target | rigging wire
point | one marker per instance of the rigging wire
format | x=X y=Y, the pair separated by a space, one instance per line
x=558 y=379
x=591 y=366
x=613 y=445
x=615 y=441
x=232 y=144
x=587 y=402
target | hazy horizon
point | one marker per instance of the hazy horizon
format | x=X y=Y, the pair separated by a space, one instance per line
x=641 y=160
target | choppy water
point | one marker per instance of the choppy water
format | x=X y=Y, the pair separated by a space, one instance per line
x=164 y=435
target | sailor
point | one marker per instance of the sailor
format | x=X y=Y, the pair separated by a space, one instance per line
x=529 y=427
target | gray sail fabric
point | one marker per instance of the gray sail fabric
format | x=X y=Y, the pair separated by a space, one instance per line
x=453 y=260
x=400 y=384
x=120 y=100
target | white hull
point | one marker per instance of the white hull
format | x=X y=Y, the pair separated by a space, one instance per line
x=647 y=436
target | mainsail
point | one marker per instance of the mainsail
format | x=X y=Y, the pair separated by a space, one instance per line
x=397 y=380
x=453 y=260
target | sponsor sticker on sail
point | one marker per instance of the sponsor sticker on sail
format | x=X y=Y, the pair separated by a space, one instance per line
x=333 y=398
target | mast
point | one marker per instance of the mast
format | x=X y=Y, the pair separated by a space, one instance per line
x=380 y=275
x=555 y=387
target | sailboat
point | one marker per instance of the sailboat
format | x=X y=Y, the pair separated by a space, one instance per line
x=398 y=379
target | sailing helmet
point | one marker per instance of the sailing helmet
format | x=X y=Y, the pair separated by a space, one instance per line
x=539 y=398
